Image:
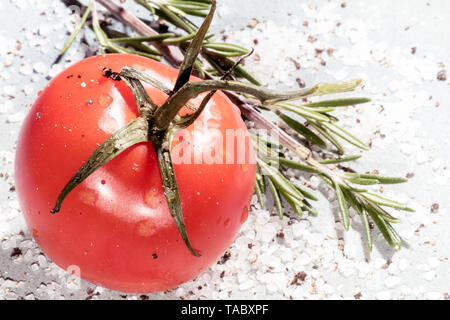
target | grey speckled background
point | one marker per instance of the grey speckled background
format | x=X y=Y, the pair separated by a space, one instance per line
x=397 y=24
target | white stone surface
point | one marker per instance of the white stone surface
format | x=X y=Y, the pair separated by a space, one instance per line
x=406 y=123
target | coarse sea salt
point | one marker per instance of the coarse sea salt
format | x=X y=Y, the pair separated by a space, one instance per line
x=308 y=243
x=433 y=295
x=430 y=275
x=40 y=67
x=383 y=295
x=9 y=90
x=16 y=117
x=392 y=282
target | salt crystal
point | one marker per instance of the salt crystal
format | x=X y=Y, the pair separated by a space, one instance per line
x=59 y=45
x=406 y=149
x=266 y=233
x=314 y=182
x=346 y=268
x=5 y=75
x=28 y=256
x=328 y=289
x=180 y=292
x=72 y=285
x=433 y=262
x=297 y=230
x=9 y=284
x=42 y=261
x=7 y=244
x=9 y=90
x=406 y=233
x=315 y=274
x=45 y=29
x=14 y=205
x=392 y=282
x=25 y=69
x=314 y=239
x=30 y=296
x=16 y=117
x=99 y=290
x=383 y=295
x=422 y=289
x=28 y=89
x=430 y=275
x=393 y=269
x=6 y=106
x=421 y=158
x=433 y=295
x=405 y=290
x=379 y=262
x=242 y=277
x=271 y=287
x=55 y=70
x=403 y=264
x=287 y=256
x=363 y=270
x=40 y=67
x=246 y=285
x=303 y=260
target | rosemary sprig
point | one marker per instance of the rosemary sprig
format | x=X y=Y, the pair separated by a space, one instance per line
x=110 y=46
x=311 y=120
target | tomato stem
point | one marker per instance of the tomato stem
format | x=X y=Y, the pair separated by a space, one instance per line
x=187 y=120
x=133 y=133
x=144 y=103
x=170 y=186
x=165 y=114
x=193 y=50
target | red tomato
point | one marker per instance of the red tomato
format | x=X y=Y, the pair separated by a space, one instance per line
x=116 y=226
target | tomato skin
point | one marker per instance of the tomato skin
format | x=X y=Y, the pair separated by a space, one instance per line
x=116 y=226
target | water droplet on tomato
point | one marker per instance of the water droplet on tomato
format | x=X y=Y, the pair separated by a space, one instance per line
x=216 y=111
x=135 y=167
x=152 y=198
x=35 y=233
x=88 y=197
x=105 y=100
x=139 y=66
x=244 y=215
x=146 y=228
x=108 y=124
x=103 y=182
x=226 y=223
x=213 y=124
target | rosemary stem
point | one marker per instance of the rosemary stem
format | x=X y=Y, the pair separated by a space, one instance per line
x=172 y=53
